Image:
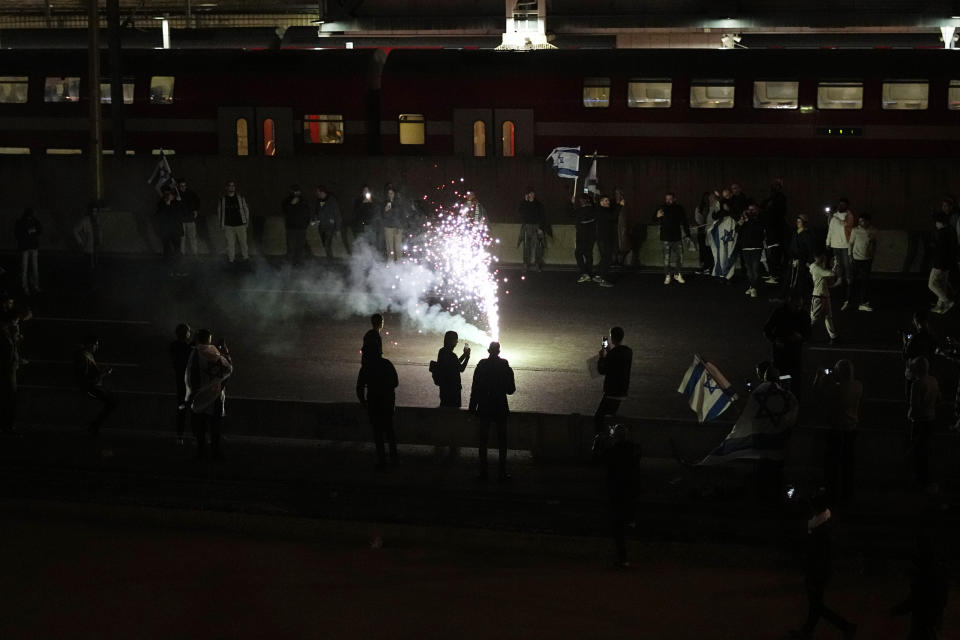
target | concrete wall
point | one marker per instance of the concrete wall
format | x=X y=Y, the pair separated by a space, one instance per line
x=880 y=452
x=900 y=193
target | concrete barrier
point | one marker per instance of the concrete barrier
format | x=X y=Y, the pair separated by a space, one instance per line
x=880 y=452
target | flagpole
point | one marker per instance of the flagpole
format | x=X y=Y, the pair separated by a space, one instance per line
x=574 y=195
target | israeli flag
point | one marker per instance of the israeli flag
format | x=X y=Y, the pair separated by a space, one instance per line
x=722 y=238
x=591 y=183
x=566 y=161
x=162 y=175
x=762 y=430
x=706 y=389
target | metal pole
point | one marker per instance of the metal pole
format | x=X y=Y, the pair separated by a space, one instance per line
x=116 y=77
x=93 y=93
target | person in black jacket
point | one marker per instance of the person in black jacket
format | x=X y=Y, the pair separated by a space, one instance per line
x=751 y=246
x=607 y=214
x=170 y=227
x=774 y=218
x=944 y=259
x=586 y=216
x=533 y=221
x=326 y=214
x=90 y=377
x=621 y=459
x=614 y=364
x=190 y=214
x=376 y=383
x=787 y=329
x=179 y=357
x=802 y=248
x=296 y=216
x=673 y=228
x=493 y=381
x=28 y=231
x=819 y=566
x=449 y=368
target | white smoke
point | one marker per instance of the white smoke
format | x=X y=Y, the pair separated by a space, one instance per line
x=369 y=284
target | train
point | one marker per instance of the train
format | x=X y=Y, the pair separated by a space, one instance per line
x=798 y=103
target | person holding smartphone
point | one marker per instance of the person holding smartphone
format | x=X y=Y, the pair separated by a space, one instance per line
x=840 y=395
x=614 y=363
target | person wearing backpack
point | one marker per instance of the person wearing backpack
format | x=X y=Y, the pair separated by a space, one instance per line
x=447 y=369
x=208 y=368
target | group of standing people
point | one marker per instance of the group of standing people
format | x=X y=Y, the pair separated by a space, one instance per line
x=493 y=381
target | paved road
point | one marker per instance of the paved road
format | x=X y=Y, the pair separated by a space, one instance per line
x=88 y=579
x=291 y=340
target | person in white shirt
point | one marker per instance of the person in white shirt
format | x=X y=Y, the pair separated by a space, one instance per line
x=820 y=300
x=840 y=224
x=863 y=245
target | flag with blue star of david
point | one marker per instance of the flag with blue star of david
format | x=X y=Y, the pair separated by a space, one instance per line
x=706 y=389
x=762 y=430
x=722 y=239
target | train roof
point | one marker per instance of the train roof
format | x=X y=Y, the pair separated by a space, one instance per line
x=338 y=62
x=694 y=62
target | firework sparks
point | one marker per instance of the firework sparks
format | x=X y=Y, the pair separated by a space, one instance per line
x=454 y=245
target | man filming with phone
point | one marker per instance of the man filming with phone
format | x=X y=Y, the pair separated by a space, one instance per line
x=839 y=395
x=614 y=362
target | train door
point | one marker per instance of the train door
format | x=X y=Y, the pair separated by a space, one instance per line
x=473 y=132
x=249 y=131
x=513 y=132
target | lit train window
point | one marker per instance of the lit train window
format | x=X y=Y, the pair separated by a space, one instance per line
x=161 y=89
x=13 y=89
x=775 y=95
x=509 y=147
x=840 y=95
x=107 y=98
x=412 y=128
x=243 y=138
x=906 y=94
x=479 y=139
x=323 y=129
x=953 y=95
x=15 y=151
x=61 y=90
x=711 y=94
x=269 y=138
x=64 y=152
x=649 y=94
x=596 y=92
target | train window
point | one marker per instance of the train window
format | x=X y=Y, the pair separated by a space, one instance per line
x=768 y=94
x=61 y=90
x=596 y=92
x=906 y=94
x=14 y=151
x=107 y=98
x=13 y=89
x=649 y=94
x=323 y=129
x=161 y=89
x=243 y=138
x=711 y=94
x=840 y=95
x=413 y=128
x=269 y=138
x=509 y=135
x=479 y=139
x=64 y=152
x=953 y=95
